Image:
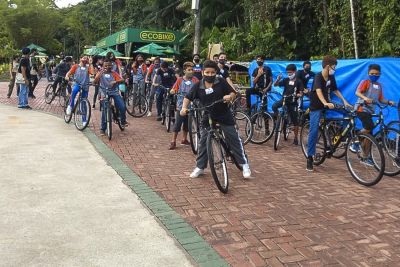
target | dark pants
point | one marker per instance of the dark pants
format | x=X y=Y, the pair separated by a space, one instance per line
x=96 y=93
x=32 y=84
x=179 y=122
x=249 y=92
x=292 y=110
x=120 y=105
x=11 y=85
x=160 y=99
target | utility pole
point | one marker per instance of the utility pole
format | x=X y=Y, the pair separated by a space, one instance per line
x=197 y=35
x=111 y=16
x=353 y=25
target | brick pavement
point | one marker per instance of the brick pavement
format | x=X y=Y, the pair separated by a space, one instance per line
x=284 y=217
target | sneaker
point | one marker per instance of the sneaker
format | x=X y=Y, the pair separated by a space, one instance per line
x=355 y=147
x=159 y=118
x=246 y=171
x=126 y=124
x=367 y=161
x=8 y=96
x=310 y=164
x=84 y=123
x=149 y=114
x=28 y=107
x=185 y=143
x=172 y=146
x=69 y=110
x=295 y=142
x=102 y=132
x=196 y=172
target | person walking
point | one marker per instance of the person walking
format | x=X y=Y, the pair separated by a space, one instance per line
x=13 y=72
x=25 y=69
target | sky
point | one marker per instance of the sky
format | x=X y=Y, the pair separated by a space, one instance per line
x=65 y=3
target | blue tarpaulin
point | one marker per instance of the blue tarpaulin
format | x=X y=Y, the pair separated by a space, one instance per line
x=349 y=73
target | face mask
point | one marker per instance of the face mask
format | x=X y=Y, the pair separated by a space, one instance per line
x=148 y=65
x=197 y=60
x=331 y=72
x=260 y=63
x=307 y=69
x=373 y=78
x=292 y=76
x=157 y=65
x=209 y=79
x=189 y=74
x=221 y=61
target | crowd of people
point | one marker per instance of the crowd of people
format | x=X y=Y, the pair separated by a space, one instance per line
x=205 y=82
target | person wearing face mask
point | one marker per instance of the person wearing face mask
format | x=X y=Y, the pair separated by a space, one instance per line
x=140 y=70
x=262 y=80
x=223 y=70
x=165 y=77
x=61 y=70
x=324 y=84
x=209 y=90
x=291 y=85
x=151 y=73
x=305 y=75
x=369 y=92
x=116 y=63
x=197 y=69
x=81 y=73
x=97 y=66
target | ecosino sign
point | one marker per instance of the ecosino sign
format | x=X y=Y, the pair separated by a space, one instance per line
x=157 y=36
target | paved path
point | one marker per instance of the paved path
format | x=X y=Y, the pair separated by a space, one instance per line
x=62 y=205
x=284 y=217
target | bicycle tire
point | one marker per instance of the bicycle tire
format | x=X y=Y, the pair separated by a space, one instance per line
x=67 y=118
x=82 y=113
x=278 y=131
x=285 y=129
x=262 y=131
x=333 y=132
x=320 y=153
x=108 y=120
x=48 y=94
x=215 y=149
x=62 y=97
x=117 y=119
x=390 y=145
x=194 y=132
x=164 y=110
x=136 y=105
x=168 y=119
x=377 y=158
x=244 y=126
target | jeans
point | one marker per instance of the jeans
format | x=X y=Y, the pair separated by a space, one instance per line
x=160 y=98
x=315 y=116
x=23 y=95
x=75 y=91
x=119 y=104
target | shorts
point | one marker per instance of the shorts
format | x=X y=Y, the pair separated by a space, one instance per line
x=366 y=120
x=179 y=121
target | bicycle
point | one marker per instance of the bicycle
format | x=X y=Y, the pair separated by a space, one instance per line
x=50 y=95
x=111 y=114
x=243 y=125
x=168 y=109
x=81 y=111
x=136 y=102
x=194 y=127
x=366 y=165
x=218 y=151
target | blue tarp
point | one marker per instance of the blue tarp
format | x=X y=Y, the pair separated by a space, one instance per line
x=349 y=73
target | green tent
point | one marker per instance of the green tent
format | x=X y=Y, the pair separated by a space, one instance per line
x=169 y=50
x=93 y=51
x=116 y=53
x=151 y=49
x=38 y=48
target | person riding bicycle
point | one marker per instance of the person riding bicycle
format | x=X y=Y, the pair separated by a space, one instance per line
x=262 y=78
x=61 y=70
x=324 y=83
x=140 y=70
x=182 y=87
x=81 y=73
x=108 y=81
x=167 y=79
x=211 y=89
x=369 y=92
x=291 y=85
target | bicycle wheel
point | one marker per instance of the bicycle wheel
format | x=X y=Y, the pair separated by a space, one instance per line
x=137 y=105
x=367 y=164
x=67 y=118
x=278 y=131
x=48 y=94
x=108 y=114
x=390 y=144
x=117 y=118
x=334 y=130
x=239 y=104
x=243 y=126
x=285 y=129
x=168 y=118
x=62 y=97
x=194 y=131
x=82 y=114
x=320 y=148
x=263 y=127
x=164 y=110
x=217 y=161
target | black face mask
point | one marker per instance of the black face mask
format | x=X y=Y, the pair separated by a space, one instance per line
x=209 y=79
x=148 y=64
x=260 y=63
x=221 y=61
x=197 y=60
x=307 y=69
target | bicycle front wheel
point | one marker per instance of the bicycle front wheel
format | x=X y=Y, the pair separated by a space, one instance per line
x=67 y=118
x=243 y=126
x=263 y=127
x=168 y=117
x=390 y=142
x=48 y=94
x=194 y=132
x=136 y=105
x=367 y=164
x=217 y=161
x=278 y=131
x=320 y=147
x=108 y=114
x=82 y=114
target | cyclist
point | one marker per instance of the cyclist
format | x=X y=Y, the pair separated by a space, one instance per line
x=291 y=85
x=61 y=70
x=116 y=63
x=97 y=66
x=182 y=87
x=151 y=73
x=108 y=81
x=369 y=92
x=81 y=73
x=324 y=83
x=140 y=70
x=210 y=89
x=166 y=77
x=198 y=67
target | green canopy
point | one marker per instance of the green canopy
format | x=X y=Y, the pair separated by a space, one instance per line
x=93 y=51
x=169 y=50
x=151 y=49
x=116 y=53
x=38 y=48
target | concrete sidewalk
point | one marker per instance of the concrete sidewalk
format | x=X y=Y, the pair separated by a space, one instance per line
x=62 y=205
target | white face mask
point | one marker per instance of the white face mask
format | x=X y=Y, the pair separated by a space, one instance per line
x=331 y=72
x=292 y=76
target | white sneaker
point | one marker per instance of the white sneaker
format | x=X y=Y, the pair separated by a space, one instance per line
x=149 y=114
x=246 y=171
x=69 y=110
x=84 y=123
x=196 y=172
